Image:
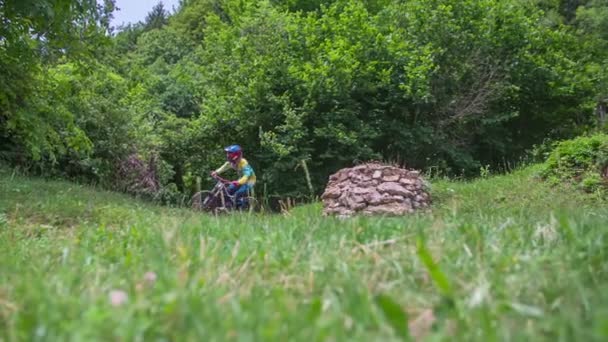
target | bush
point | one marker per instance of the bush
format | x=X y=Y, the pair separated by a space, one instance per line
x=582 y=161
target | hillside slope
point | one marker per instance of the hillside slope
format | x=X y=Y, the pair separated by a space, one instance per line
x=501 y=258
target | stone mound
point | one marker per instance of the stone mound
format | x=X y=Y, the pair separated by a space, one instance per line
x=375 y=189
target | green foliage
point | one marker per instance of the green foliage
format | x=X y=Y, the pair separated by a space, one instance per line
x=457 y=86
x=91 y=102
x=3 y=221
x=583 y=160
x=46 y=126
x=593 y=19
x=125 y=41
x=439 y=278
x=394 y=314
x=159 y=47
x=35 y=33
x=592 y=181
x=157 y=18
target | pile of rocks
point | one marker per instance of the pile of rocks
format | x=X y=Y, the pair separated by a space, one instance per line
x=375 y=188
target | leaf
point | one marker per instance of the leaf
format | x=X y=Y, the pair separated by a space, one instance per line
x=439 y=278
x=394 y=314
x=315 y=310
x=527 y=310
x=565 y=228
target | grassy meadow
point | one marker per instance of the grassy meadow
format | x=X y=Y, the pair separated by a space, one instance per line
x=505 y=258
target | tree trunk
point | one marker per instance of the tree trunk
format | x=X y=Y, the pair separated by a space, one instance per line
x=178 y=177
x=601 y=110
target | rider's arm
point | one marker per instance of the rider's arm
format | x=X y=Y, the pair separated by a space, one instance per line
x=247 y=172
x=223 y=168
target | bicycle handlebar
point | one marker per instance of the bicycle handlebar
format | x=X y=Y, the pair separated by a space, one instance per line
x=220 y=179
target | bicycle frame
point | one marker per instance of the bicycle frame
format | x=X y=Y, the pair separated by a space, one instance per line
x=218 y=193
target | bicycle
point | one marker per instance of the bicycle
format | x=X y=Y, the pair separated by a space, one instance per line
x=219 y=200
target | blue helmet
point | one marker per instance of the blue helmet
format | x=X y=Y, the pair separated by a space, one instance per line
x=233 y=149
x=233 y=153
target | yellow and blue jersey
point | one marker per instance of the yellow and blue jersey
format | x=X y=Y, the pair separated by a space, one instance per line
x=243 y=169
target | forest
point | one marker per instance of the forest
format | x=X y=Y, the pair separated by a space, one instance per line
x=450 y=87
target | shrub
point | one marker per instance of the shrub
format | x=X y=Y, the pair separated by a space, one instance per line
x=582 y=161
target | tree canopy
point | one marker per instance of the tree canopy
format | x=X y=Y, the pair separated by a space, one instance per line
x=448 y=85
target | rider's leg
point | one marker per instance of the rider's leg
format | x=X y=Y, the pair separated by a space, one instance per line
x=242 y=192
x=231 y=189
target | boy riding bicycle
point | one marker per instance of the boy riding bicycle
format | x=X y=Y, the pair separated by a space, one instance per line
x=234 y=160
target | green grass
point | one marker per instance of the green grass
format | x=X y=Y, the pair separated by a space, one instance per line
x=504 y=258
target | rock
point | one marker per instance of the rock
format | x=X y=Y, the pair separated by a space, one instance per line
x=343 y=199
x=333 y=204
x=407 y=201
x=355 y=202
x=391 y=171
x=395 y=198
x=346 y=185
x=359 y=178
x=393 y=178
x=393 y=189
x=339 y=176
x=378 y=199
x=388 y=209
x=367 y=185
x=374 y=189
x=411 y=188
x=373 y=198
x=333 y=192
x=363 y=190
x=407 y=181
x=356 y=198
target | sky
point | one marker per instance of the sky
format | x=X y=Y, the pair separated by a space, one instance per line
x=132 y=11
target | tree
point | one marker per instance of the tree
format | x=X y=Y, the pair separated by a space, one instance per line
x=448 y=84
x=157 y=18
x=35 y=33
